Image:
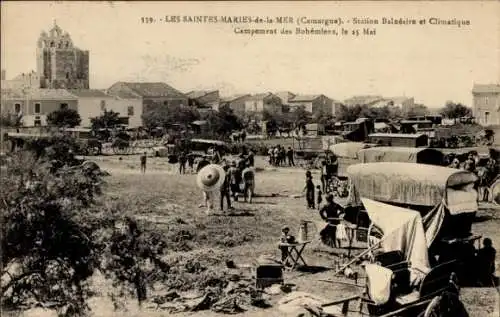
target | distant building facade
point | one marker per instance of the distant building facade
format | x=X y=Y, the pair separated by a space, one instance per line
x=204 y=99
x=314 y=104
x=22 y=81
x=151 y=93
x=367 y=100
x=235 y=103
x=263 y=102
x=59 y=63
x=486 y=104
x=33 y=105
x=92 y=103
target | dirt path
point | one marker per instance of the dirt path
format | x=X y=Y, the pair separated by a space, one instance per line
x=482 y=302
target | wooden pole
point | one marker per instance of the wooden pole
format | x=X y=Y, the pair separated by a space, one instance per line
x=343 y=267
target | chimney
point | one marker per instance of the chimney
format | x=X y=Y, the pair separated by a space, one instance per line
x=3 y=74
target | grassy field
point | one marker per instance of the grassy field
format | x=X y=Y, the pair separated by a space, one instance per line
x=170 y=202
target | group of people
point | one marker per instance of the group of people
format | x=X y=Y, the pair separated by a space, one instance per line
x=279 y=156
x=314 y=193
x=486 y=170
x=239 y=180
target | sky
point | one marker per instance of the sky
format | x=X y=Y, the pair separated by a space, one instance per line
x=432 y=63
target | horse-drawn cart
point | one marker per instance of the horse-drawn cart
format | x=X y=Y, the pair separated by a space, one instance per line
x=419 y=239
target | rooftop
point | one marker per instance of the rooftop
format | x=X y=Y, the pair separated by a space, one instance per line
x=89 y=93
x=235 y=97
x=302 y=98
x=490 y=88
x=260 y=96
x=199 y=93
x=38 y=94
x=397 y=135
x=154 y=89
x=285 y=95
x=362 y=100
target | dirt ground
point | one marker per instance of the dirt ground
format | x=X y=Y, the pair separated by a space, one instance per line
x=162 y=194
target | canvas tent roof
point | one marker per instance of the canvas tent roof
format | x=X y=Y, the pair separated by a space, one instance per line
x=400 y=154
x=348 y=149
x=406 y=183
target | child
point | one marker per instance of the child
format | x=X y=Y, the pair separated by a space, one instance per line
x=319 y=196
x=285 y=238
x=309 y=189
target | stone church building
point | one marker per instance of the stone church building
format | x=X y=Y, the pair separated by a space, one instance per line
x=59 y=63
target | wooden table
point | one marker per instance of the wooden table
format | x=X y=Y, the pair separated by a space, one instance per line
x=295 y=254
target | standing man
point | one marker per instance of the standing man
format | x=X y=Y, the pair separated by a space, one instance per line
x=249 y=182
x=225 y=190
x=276 y=155
x=289 y=155
x=210 y=179
x=182 y=163
x=235 y=180
x=251 y=158
x=143 y=163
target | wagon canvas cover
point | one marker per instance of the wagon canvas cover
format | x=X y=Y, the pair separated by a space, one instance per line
x=348 y=149
x=404 y=231
x=400 y=154
x=413 y=184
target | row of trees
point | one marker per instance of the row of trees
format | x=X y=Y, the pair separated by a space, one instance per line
x=225 y=121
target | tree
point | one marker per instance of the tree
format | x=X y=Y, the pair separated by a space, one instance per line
x=108 y=120
x=10 y=120
x=224 y=121
x=300 y=117
x=417 y=110
x=454 y=110
x=349 y=113
x=64 y=117
x=267 y=116
x=55 y=235
x=158 y=115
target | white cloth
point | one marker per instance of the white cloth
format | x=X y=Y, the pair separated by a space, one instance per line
x=208 y=201
x=379 y=283
x=403 y=230
x=342 y=232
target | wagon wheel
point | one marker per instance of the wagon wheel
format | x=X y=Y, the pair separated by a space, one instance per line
x=432 y=309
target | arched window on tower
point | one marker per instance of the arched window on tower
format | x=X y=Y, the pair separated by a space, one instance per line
x=67 y=44
x=59 y=45
x=52 y=44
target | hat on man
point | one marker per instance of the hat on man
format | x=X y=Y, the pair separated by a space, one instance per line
x=210 y=177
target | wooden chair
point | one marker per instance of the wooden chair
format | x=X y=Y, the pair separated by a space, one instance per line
x=434 y=283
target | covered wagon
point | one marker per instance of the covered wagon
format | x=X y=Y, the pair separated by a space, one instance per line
x=446 y=192
x=401 y=154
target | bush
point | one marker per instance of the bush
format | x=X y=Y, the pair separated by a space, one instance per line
x=57 y=232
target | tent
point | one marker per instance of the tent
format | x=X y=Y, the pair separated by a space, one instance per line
x=401 y=154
